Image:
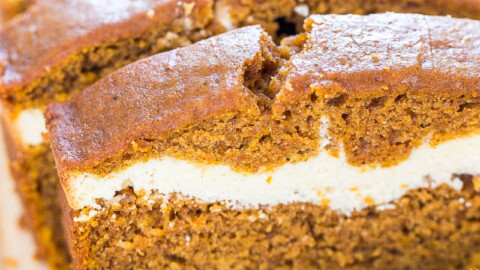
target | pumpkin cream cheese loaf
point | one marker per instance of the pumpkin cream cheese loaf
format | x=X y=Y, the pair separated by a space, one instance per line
x=58 y=47
x=55 y=49
x=358 y=152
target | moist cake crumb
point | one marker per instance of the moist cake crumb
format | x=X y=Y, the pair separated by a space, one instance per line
x=188 y=234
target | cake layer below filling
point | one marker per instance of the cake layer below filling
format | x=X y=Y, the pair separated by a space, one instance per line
x=322 y=179
x=30 y=125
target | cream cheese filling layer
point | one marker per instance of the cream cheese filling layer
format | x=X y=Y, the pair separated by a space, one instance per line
x=30 y=126
x=321 y=180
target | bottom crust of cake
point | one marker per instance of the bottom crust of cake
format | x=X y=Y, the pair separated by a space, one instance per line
x=36 y=180
x=425 y=229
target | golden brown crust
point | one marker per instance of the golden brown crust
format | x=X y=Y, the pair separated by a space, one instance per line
x=51 y=31
x=153 y=96
x=384 y=54
x=427 y=229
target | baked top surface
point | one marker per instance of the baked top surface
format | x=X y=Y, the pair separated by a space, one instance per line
x=155 y=95
x=385 y=53
x=51 y=31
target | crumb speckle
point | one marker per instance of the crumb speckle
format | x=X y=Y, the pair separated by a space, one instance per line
x=269 y=180
x=325 y=202
x=188 y=7
x=369 y=200
x=151 y=13
x=302 y=10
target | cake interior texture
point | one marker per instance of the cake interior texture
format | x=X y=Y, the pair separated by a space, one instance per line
x=234 y=165
x=427 y=229
x=43 y=82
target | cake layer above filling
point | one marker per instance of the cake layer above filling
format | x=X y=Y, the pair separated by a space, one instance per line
x=321 y=180
x=30 y=126
x=385 y=85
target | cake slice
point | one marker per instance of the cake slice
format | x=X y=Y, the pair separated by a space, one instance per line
x=57 y=48
x=358 y=151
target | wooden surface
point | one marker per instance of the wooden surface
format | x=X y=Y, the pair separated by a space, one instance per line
x=17 y=249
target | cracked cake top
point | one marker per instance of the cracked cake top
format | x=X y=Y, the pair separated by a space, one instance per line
x=383 y=53
x=153 y=96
